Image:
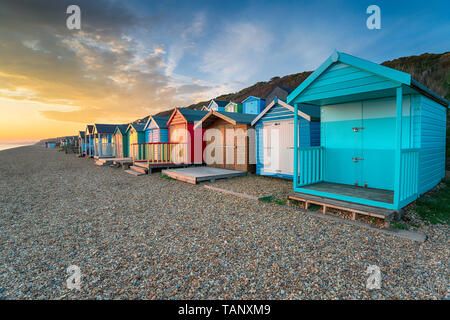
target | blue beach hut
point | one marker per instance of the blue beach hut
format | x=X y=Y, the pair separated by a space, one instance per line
x=382 y=135
x=156 y=129
x=253 y=105
x=274 y=132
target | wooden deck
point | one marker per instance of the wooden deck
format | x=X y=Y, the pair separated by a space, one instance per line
x=195 y=175
x=354 y=208
x=386 y=196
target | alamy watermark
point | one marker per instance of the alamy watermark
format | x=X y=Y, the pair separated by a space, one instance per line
x=374 y=20
x=374 y=280
x=74 y=279
x=73 y=22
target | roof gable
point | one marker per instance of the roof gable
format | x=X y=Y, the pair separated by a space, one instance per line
x=104 y=128
x=251 y=98
x=156 y=122
x=277 y=102
x=353 y=69
x=230 y=117
x=137 y=127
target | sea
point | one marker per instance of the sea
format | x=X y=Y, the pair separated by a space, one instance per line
x=4 y=146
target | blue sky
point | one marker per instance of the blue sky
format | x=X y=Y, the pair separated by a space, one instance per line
x=292 y=36
x=135 y=58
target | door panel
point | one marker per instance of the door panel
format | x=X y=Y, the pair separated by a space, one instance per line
x=267 y=147
x=339 y=141
x=287 y=153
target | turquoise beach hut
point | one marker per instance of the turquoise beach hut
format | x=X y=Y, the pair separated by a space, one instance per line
x=274 y=132
x=382 y=134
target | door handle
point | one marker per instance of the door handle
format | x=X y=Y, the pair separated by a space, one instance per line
x=356 y=129
x=357 y=159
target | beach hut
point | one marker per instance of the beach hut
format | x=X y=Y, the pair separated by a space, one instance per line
x=233 y=107
x=274 y=133
x=279 y=92
x=253 y=105
x=156 y=130
x=81 y=143
x=136 y=141
x=103 y=145
x=189 y=141
x=216 y=105
x=89 y=140
x=230 y=144
x=382 y=135
x=120 y=141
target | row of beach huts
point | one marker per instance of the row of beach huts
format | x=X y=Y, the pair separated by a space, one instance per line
x=354 y=135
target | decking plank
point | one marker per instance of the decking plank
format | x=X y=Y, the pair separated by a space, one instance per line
x=343 y=205
x=381 y=195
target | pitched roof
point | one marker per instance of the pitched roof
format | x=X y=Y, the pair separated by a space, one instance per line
x=288 y=90
x=90 y=129
x=192 y=115
x=137 y=126
x=122 y=128
x=221 y=103
x=105 y=128
x=161 y=122
x=81 y=134
x=252 y=97
x=231 y=117
x=313 y=113
x=377 y=69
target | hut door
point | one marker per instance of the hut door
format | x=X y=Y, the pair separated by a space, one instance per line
x=286 y=147
x=268 y=149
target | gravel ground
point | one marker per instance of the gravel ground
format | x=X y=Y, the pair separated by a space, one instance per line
x=152 y=238
x=259 y=186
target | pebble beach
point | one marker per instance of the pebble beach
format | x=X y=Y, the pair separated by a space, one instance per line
x=153 y=238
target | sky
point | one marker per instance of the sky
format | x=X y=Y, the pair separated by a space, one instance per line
x=134 y=58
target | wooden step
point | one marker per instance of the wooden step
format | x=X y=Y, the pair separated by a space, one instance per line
x=141 y=164
x=139 y=169
x=134 y=173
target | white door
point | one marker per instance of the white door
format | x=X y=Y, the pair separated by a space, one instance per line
x=287 y=147
x=271 y=133
x=278 y=146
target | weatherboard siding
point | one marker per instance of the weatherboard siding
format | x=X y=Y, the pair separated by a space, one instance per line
x=309 y=135
x=432 y=151
x=341 y=79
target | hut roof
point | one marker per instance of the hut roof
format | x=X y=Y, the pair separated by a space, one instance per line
x=161 y=122
x=231 y=117
x=191 y=115
x=377 y=69
x=105 y=128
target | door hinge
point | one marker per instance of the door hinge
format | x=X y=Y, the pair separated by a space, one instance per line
x=356 y=129
x=357 y=159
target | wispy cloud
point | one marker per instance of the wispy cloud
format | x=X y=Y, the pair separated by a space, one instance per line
x=238 y=52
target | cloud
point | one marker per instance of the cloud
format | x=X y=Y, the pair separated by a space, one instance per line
x=238 y=52
x=103 y=70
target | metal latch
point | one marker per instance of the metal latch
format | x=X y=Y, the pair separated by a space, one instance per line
x=357 y=159
x=356 y=129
